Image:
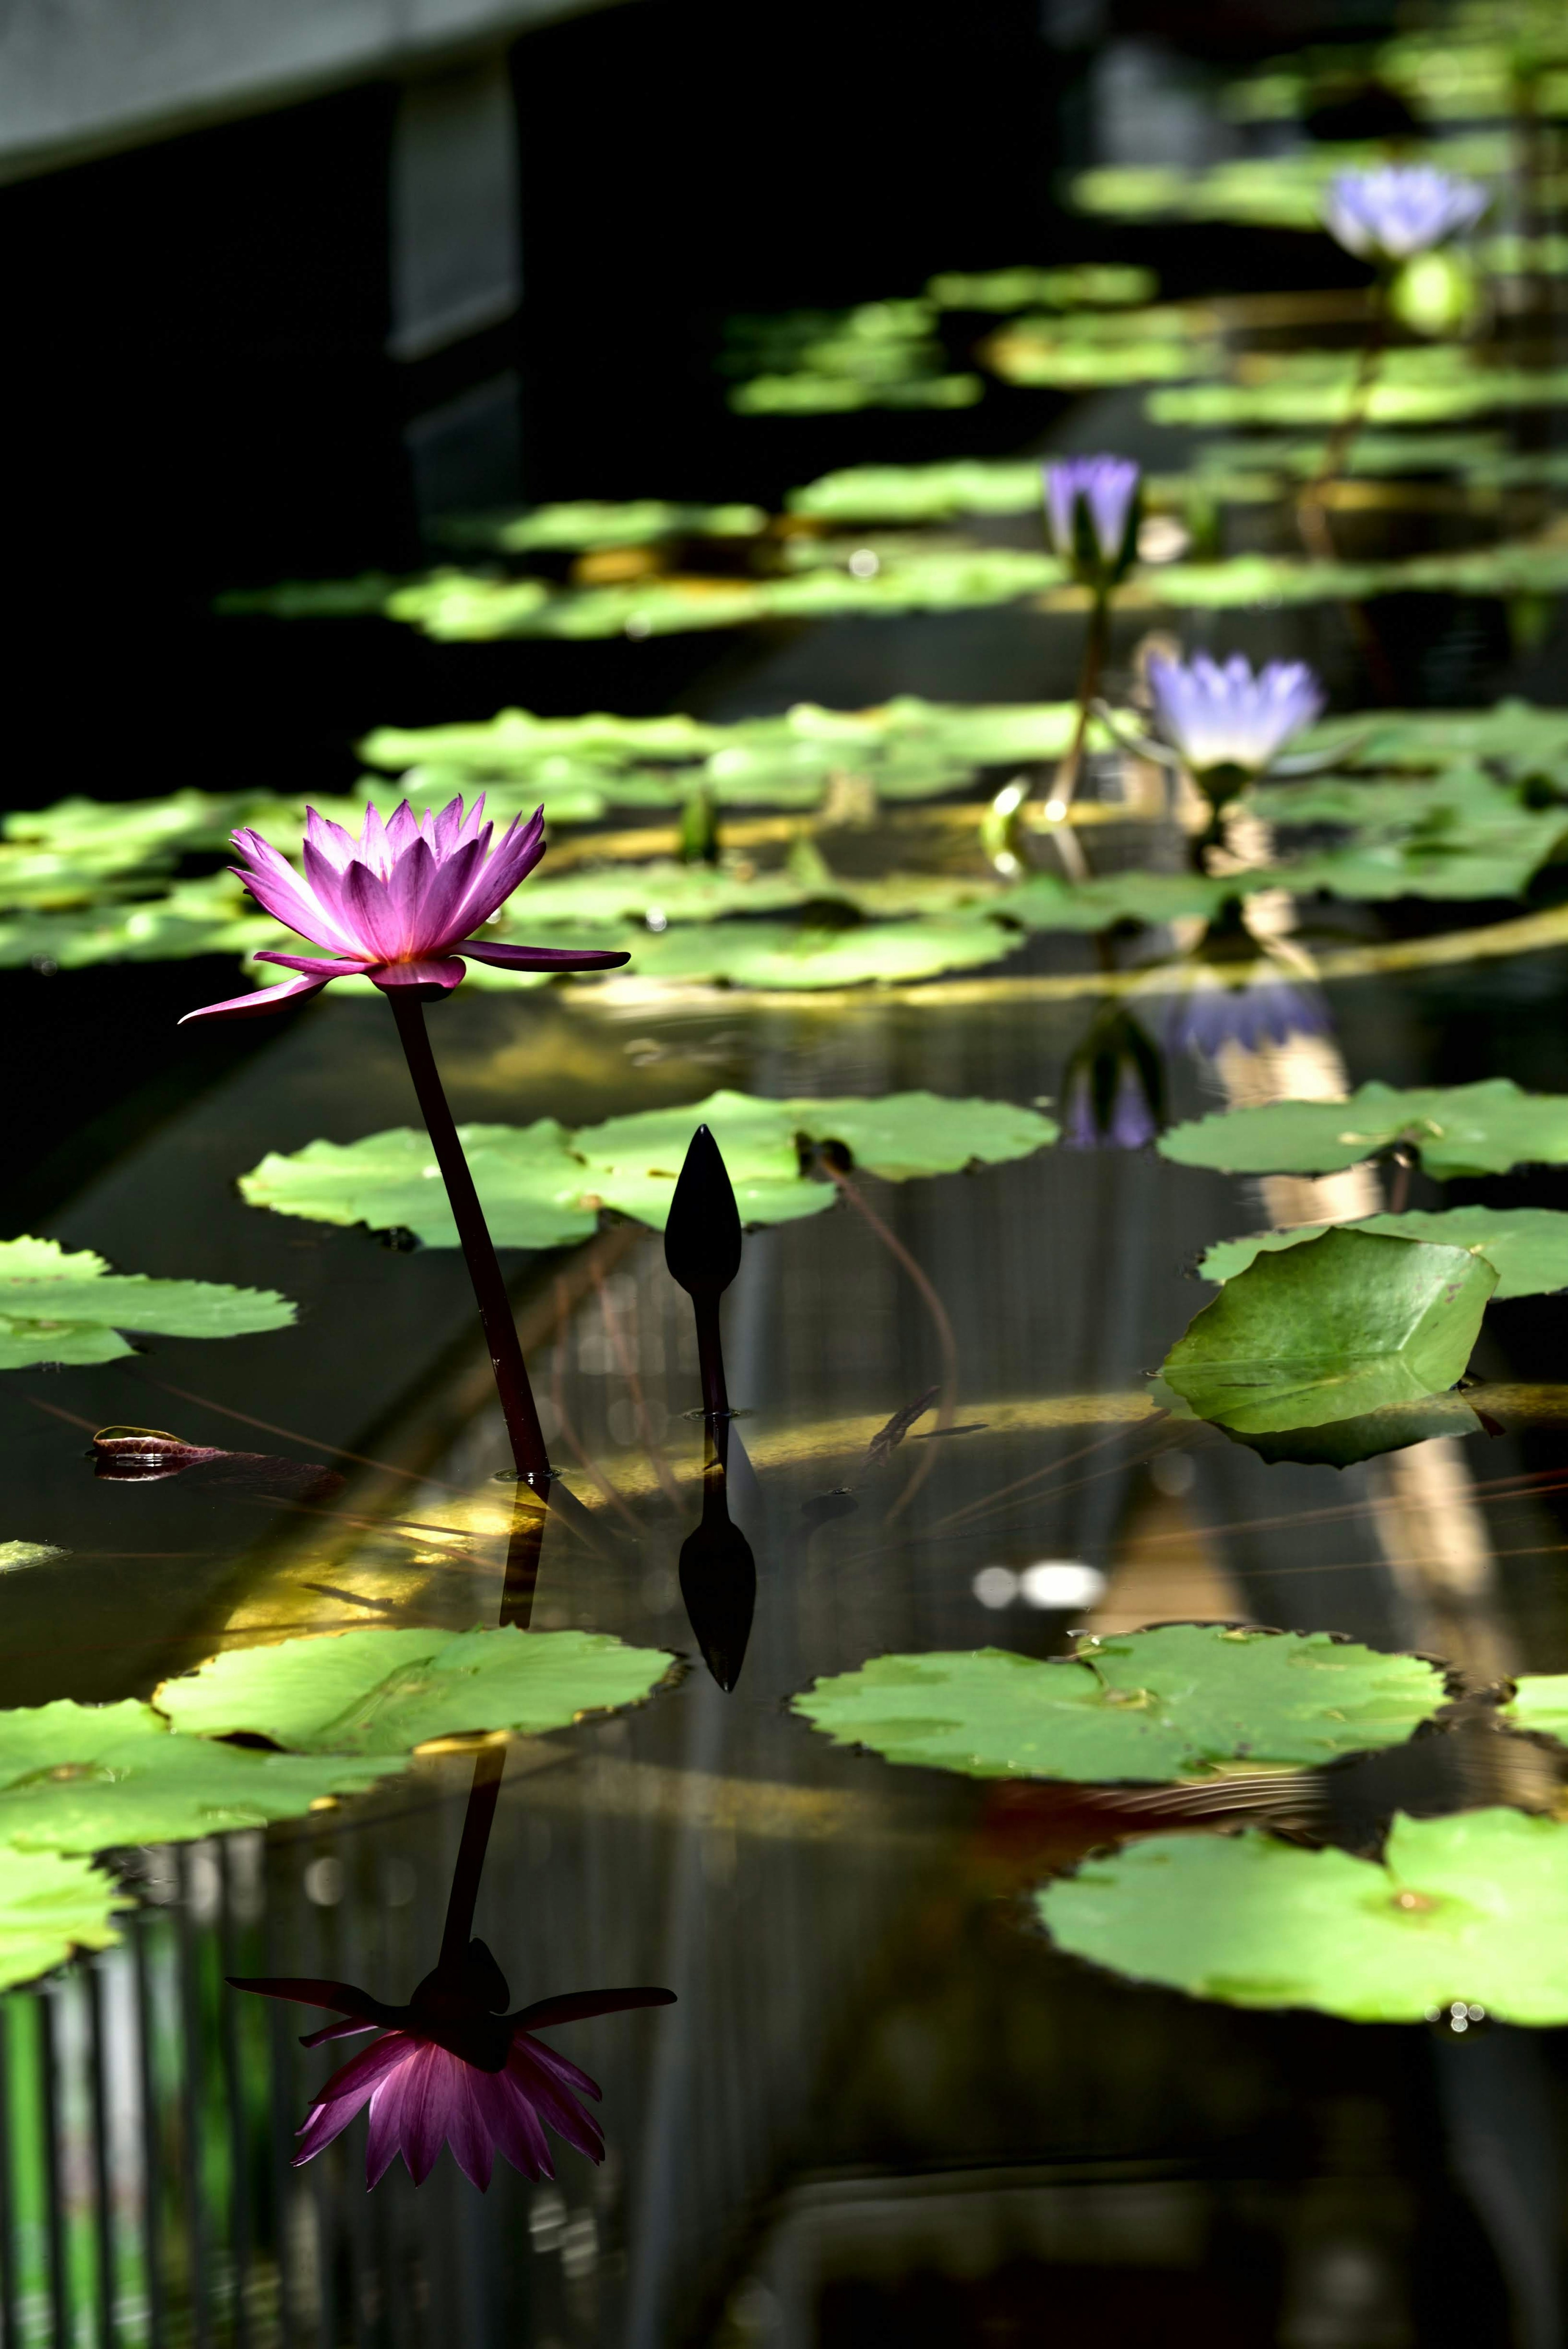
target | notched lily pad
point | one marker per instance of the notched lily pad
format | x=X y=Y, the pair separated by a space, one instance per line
x=1181 y=1701
x=82 y=1777
x=57 y=1306
x=1346 y=1324
x=1472 y=1908
x=1456 y=1129
x=49 y=1907
x=1526 y=1246
x=383 y=1692
x=1539 y=1705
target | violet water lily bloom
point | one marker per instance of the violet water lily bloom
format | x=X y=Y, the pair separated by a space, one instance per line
x=1113 y=1089
x=1400 y=209
x=398 y=905
x=1092 y=512
x=1227 y=726
x=450 y=2070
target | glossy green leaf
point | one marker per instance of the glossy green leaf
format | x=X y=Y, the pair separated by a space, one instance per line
x=588 y=523
x=543 y=1187
x=382 y=1692
x=82 y=1777
x=1344 y=1324
x=1539 y=1705
x=15 y=1556
x=49 y=1907
x=1527 y=1248
x=57 y=1306
x=1181 y=1701
x=1456 y=1129
x=1471 y=1909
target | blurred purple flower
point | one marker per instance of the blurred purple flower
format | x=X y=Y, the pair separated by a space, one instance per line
x=1227 y=725
x=1399 y=209
x=396 y=905
x=1093 y=508
x=1265 y=1006
x=451 y=2070
x=1113 y=1093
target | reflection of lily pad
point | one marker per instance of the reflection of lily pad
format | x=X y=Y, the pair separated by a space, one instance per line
x=60 y=1307
x=50 y=1906
x=80 y=1777
x=1527 y=1248
x=1176 y=1701
x=1472 y=1908
x=543 y=1187
x=1343 y=1443
x=1458 y=1130
x=1345 y=1324
x=384 y=1693
x=1540 y=1703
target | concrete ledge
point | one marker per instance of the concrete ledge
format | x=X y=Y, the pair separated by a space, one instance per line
x=85 y=77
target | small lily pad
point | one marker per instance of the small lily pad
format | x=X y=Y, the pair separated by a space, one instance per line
x=50 y=1906
x=60 y=1307
x=1346 y=1324
x=383 y=1692
x=1457 y=1130
x=81 y=1777
x=1539 y=1704
x=1471 y=1909
x=1178 y=1701
x=1527 y=1248
x=543 y=1187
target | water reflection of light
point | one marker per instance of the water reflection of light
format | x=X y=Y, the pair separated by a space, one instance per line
x=1050 y=1582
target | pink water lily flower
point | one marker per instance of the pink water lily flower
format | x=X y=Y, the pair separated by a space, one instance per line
x=397 y=906
x=452 y=2071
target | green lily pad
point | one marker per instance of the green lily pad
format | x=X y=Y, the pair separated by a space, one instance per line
x=1456 y=1129
x=1182 y=1701
x=82 y=1777
x=49 y=1907
x=60 y=1307
x=1345 y=1324
x=1527 y=1248
x=15 y=1556
x=1473 y=1908
x=586 y=522
x=1539 y=1704
x=543 y=1187
x=383 y=1692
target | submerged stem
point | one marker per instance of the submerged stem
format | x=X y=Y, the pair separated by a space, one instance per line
x=517 y=1403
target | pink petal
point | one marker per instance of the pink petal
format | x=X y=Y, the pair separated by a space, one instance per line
x=381 y=2146
x=329 y=885
x=514 y=2125
x=274 y=884
x=373 y=853
x=553 y=2103
x=513 y=861
x=371 y=2067
x=432 y=971
x=409 y=887
x=370 y=913
x=561 y=2068
x=403 y=828
x=541 y=958
x=322 y=2124
x=473 y=2149
x=264 y=999
x=426 y=2099
x=447 y=829
x=329 y=840
x=439 y=916
x=320 y=966
x=349 y=2028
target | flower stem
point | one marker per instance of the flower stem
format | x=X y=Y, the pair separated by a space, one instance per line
x=489 y=1766
x=517 y=1403
x=1310 y=516
x=1066 y=775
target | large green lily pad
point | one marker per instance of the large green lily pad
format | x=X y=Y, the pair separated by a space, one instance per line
x=57 y=1306
x=1527 y=1248
x=1456 y=1129
x=50 y=1906
x=1539 y=1704
x=1178 y=1701
x=82 y=1777
x=383 y=1692
x=1345 y=1324
x=1472 y=1908
x=543 y=1187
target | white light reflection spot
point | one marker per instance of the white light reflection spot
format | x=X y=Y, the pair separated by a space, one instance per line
x=1064 y=1582
x=864 y=564
x=995 y=1586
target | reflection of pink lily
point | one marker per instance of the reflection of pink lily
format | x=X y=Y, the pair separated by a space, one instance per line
x=396 y=905
x=451 y=2069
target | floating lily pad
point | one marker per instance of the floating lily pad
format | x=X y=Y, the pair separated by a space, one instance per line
x=16 y=1556
x=1540 y=1703
x=383 y=1692
x=60 y=1307
x=82 y=1777
x=543 y=1187
x=1343 y=1325
x=50 y=1906
x=1472 y=1908
x=1179 y=1701
x=1457 y=1130
x=586 y=523
x=1526 y=1246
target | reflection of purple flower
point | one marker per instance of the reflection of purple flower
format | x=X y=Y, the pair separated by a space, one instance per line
x=1227 y=725
x=1399 y=209
x=1092 y=512
x=453 y=2071
x=1265 y=1006
x=1113 y=1094
x=396 y=905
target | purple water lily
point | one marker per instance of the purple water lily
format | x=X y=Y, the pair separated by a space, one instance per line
x=450 y=2070
x=1265 y=1006
x=1113 y=1092
x=1399 y=209
x=1092 y=512
x=1227 y=725
x=397 y=906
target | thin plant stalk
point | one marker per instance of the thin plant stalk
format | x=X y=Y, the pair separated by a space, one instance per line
x=518 y=1407
x=1065 y=786
x=1311 y=519
x=490 y=1767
